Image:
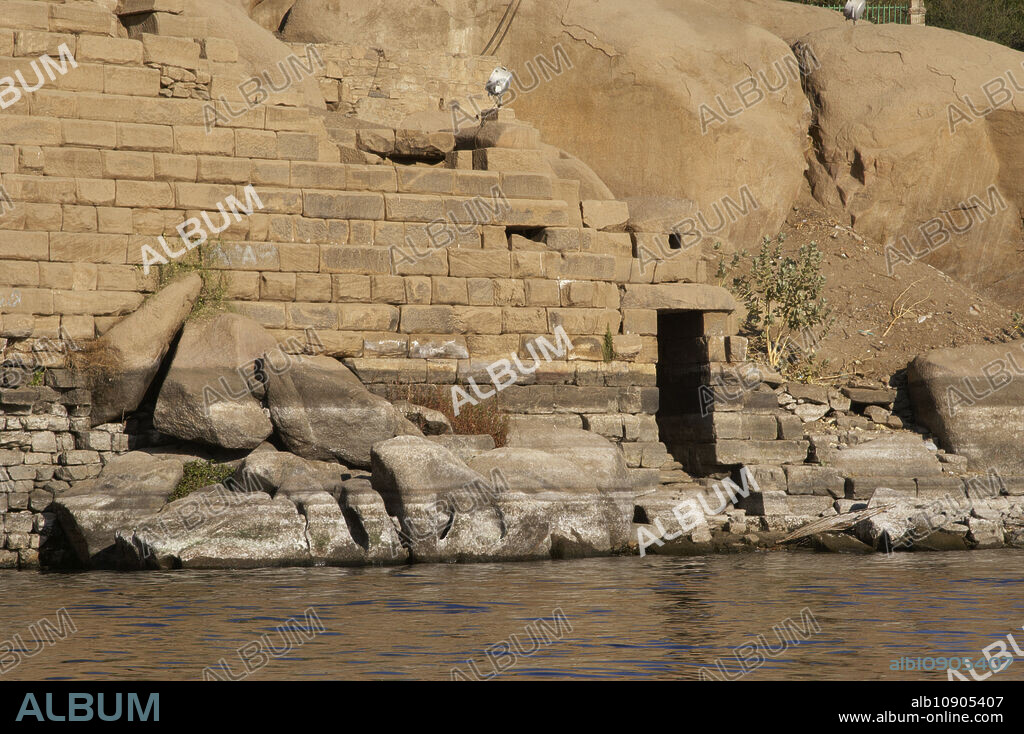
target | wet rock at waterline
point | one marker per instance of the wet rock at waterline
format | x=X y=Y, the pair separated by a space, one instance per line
x=215 y=528
x=130 y=489
x=449 y=511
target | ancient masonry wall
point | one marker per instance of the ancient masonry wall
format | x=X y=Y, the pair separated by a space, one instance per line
x=386 y=85
x=46 y=444
x=422 y=263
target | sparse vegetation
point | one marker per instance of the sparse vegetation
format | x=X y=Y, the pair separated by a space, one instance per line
x=725 y=266
x=1017 y=324
x=1001 y=21
x=608 y=346
x=199 y=474
x=211 y=298
x=783 y=296
x=487 y=417
x=902 y=307
x=94 y=359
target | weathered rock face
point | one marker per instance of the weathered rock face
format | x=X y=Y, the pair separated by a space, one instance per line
x=214 y=528
x=276 y=510
x=134 y=348
x=288 y=475
x=885 y=455
x=972 y=399
x=208 y=394
x=635 y=78
x=450 y=512
x=660 y=529
x=601 y=463
x=323 y=412
x=370 y=524
x=787 y=22
x=418 y=480
x=431 y=422
x=270 y=13
x=943 y=168
x=130 y=489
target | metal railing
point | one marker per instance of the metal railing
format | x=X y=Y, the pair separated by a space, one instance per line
x=876 y=12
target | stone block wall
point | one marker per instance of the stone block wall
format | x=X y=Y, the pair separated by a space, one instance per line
x=101 y=162
x=46 y=444
x=387 y=85
x=425 y=266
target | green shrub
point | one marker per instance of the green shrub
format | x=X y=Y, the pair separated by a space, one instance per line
x=608 y=346
x=783 y=296
x=199 y=474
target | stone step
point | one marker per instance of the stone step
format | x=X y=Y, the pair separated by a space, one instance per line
x=56 y=17
x=644 y=477
x=674 y=476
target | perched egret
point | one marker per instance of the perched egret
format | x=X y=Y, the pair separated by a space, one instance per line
x=499 y=83
x=854 y=10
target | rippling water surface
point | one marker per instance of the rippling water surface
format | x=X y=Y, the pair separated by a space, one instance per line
x=630 y=617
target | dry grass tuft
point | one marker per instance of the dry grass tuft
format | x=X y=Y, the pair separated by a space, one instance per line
x=95 y=358
x=487 y=417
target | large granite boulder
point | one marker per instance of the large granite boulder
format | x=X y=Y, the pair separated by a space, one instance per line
x=972 y=399
x=209 y=393
x=529 y=505
x=280 y=473
x=938 y=176
x=277 y=510
x=323 y=412
x=128 y=356
x=447 y=511
x=130 y=489
x=217 y=528
x=531 y=469
x=551 y=506
x=600 y=461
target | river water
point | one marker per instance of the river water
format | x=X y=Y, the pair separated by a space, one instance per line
x=653 y=617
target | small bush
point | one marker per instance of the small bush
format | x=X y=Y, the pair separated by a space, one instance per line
x=783 y=296
x=199 y=474
x=487 y=417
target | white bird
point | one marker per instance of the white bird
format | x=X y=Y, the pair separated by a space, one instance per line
x=854 y=10
x=499 y=83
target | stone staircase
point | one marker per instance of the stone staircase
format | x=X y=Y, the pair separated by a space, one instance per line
x=417 y=256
